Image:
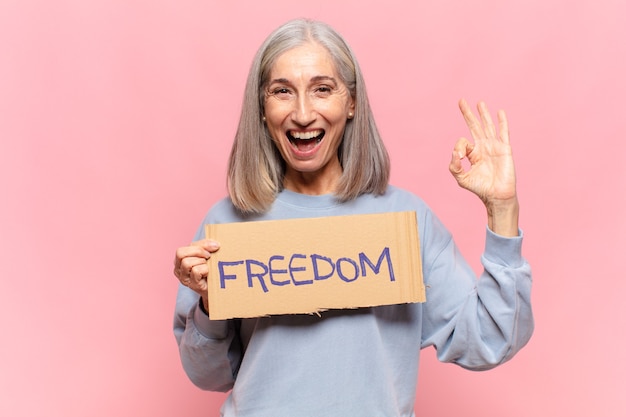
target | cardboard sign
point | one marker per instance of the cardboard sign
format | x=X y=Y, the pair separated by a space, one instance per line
x=310 y=265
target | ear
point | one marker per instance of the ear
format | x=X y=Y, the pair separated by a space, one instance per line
x=351 y=108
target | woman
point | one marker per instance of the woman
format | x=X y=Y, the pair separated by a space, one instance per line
x=307 y=146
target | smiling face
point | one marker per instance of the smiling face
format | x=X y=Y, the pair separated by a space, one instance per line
x=306 y=110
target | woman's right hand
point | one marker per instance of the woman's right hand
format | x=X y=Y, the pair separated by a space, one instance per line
x=191 y=269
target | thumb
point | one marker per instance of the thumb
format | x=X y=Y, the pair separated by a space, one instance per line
x=208 y=244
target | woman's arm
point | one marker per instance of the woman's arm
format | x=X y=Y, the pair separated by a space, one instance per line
x=209 y=349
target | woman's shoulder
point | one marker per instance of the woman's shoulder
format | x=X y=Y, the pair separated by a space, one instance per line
x=431 y=227
x=400 y=198
x=223 y=211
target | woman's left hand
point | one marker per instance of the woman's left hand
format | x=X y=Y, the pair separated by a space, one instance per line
x=491 y=174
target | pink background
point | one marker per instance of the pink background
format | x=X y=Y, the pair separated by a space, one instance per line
x=116 y=118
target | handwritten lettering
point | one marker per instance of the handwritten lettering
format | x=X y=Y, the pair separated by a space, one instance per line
x=300 y=269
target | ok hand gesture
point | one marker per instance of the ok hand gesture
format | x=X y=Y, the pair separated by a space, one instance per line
x=491 y=174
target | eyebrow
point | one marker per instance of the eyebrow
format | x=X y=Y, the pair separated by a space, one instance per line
x=323 y=78
x=317 y=78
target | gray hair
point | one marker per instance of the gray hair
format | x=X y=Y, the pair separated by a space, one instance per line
x=256 y=168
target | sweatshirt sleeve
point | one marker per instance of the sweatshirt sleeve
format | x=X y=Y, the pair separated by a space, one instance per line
x=476 y=323
x=209 y=349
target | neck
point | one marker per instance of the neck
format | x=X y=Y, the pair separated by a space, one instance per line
x=311 y=183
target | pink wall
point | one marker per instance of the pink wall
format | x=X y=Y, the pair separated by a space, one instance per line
x=116 y=118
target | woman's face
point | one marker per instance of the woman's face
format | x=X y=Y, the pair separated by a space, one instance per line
x=306 y=110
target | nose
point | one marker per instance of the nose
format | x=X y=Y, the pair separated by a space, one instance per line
x=304 y=112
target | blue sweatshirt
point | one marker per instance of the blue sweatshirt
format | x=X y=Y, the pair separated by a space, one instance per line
x=361 y=362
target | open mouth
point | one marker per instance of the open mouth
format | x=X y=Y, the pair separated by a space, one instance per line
x=305 y=141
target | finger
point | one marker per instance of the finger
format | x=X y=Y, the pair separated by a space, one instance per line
x=186 y=257
x=195 y=278
x=201 y=248
x=184 y=266
x=188 y=264
x=191 y=250
x=208 y=244
x=455 y=167
x=462 y=148
x=504 y=127
x=488 y=125
x=472 y=122
x=198 y=276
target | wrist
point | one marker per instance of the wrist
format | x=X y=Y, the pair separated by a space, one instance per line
x=503 y=217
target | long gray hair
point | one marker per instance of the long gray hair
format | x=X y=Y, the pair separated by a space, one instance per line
x=256 y=168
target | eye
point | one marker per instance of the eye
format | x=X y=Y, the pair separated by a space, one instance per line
x=323 y=90
x=280 y=92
